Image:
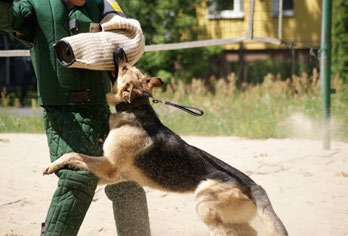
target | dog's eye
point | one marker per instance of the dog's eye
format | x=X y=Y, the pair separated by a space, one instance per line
x=124 y=68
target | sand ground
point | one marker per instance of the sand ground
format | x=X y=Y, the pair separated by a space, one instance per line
x=308 y=187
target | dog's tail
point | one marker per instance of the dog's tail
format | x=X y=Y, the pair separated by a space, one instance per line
x=265 y=212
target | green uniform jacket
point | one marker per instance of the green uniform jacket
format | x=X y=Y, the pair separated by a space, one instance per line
x=44 y=22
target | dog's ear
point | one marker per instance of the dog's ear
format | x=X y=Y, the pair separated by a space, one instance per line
x=129 y=92
x=154 y=82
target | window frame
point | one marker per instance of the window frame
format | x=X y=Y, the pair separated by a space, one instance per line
x=286 y=12
x=236 y=13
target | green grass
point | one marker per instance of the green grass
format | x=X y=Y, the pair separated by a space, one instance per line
x=238 y=116
x=273 y=110
x=258 y=112
x=10 y=123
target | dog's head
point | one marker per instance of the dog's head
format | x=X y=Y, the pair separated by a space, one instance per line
x=130 y=84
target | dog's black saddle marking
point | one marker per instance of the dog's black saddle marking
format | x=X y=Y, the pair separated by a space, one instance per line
x=178 y=166
x=172 y=163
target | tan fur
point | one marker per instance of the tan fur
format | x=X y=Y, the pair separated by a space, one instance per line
x=227 y=199
x=226 y=207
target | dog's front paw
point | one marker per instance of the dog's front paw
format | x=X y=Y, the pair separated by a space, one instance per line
x=50 y=169
x=58 y=164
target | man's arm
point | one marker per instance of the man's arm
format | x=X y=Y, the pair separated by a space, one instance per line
x=6 y=15
x=117 y=32
x=18 y=18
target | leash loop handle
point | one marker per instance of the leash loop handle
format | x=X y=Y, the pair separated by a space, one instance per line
x=191 y=110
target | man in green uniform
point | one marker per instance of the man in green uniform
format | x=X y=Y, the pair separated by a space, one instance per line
x=75 y=111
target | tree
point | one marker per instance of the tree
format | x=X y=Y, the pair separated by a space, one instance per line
x=171 y=22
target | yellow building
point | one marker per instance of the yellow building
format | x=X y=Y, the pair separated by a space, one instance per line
x=255 y=22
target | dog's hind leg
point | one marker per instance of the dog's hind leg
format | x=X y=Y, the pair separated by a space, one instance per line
x=224 y=208
x=240 y=230
x=272 y=223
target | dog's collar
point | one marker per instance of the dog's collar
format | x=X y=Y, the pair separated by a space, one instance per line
x=125 y=106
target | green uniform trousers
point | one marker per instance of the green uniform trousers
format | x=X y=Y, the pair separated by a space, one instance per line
x=83 y=130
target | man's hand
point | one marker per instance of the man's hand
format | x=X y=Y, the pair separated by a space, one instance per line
x=77 y=3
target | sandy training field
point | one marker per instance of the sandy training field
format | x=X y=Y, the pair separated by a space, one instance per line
x=307 y=185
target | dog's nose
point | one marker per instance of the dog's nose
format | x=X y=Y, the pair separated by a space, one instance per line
x=120 y=58
x=119 y=55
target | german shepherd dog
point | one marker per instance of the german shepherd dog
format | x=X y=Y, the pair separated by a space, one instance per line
x=140 y=148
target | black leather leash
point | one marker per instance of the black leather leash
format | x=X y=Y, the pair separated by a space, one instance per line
x=191 y=110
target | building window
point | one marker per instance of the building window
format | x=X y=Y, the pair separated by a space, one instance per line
x=288 y=7
x=225 y=9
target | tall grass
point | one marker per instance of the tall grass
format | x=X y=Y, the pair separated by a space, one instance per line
x=274 y=109
x=11 y=123
x=14 y=119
